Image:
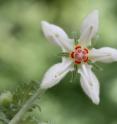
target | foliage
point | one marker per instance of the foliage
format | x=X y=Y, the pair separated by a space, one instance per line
x=23 y=92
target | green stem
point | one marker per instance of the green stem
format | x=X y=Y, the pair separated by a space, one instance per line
x=18 y=117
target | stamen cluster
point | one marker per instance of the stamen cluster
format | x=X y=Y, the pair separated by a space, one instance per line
x=79 y=54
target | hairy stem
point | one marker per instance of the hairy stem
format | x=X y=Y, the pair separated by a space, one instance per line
x=19 y=116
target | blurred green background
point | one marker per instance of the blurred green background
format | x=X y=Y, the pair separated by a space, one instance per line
x=25 y=55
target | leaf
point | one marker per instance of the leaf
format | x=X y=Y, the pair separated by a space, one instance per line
x=3 y=118
x=22 y=93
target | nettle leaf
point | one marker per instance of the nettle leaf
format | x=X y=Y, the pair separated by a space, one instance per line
x=24 y=91
x=19 y=96
x=31 y=117
x=3 y=118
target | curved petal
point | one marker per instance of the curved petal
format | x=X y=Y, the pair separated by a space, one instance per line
x=89 y=28
x=55 y=74
x=56 y=35
x=89 y=83
x=105 y=55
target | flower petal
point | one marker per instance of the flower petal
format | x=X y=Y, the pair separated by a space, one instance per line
x=56 y=35
x=89 y=83
x=55 y=74
x=89 y=28
x=105 y=55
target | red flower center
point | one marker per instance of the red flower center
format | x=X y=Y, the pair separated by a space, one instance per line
x=79 y=54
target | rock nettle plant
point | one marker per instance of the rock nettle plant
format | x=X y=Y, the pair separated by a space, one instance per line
x=77 y=57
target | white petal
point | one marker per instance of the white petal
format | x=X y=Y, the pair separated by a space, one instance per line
x=105 y=55
x=89 y=28
x=89 y=83
x=55 y=74
x=57 y=35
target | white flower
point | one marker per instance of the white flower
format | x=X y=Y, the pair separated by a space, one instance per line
x=79 y=55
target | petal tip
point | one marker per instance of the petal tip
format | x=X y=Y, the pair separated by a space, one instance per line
x=96 y=12
x=96 y=100
x=44 y=23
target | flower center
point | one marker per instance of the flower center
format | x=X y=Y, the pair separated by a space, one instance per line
x=79 y=54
